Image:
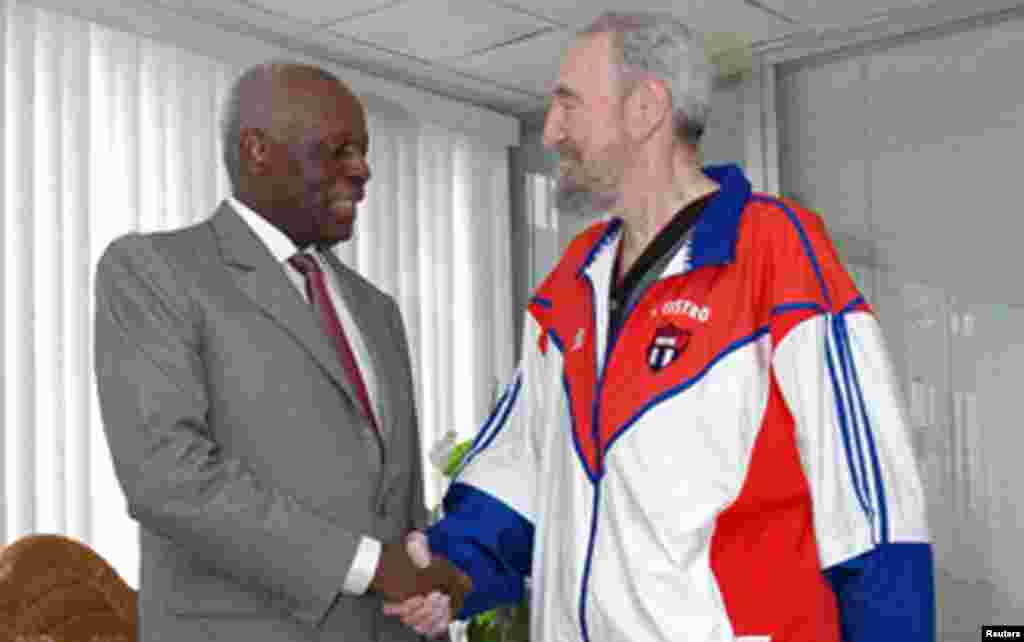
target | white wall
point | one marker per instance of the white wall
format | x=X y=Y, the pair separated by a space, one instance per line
x=725 y=140
x=910 y=149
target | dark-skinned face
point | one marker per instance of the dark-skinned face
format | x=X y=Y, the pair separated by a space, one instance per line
x=312 y=168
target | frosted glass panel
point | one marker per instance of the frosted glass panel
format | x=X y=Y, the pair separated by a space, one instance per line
x=961 y=366
x=911 y=153
x=544 y=245
x=724 y=139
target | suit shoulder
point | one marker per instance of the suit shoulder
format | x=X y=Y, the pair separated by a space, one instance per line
x=132 y=251
x=188 y=241
x=186 y=244
x=168 y=261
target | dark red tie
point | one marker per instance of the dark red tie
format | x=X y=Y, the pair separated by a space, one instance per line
x=316 y=289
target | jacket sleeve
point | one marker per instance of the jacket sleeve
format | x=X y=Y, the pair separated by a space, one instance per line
x=178 y=484
x=488 y=526
x=832 y=368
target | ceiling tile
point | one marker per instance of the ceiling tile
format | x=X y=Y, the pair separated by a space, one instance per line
x=320 y=12
x=440 y=29
x=530 y=64
x=733 y=16
x=232 y=12
x=423 y=74
x=830 y=13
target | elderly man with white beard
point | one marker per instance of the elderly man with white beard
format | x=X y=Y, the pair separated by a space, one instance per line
x=704 y=440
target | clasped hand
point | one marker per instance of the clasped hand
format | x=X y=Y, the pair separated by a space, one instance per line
x=423 y=589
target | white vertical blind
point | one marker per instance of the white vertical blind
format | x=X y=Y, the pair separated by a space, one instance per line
x=104 y=133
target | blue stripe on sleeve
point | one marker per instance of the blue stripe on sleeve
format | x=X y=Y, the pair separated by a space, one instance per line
x=856 y=423
x=844 y=431
x=487 y=540
x=861 y=406
x=886 y=594
x=493 y=426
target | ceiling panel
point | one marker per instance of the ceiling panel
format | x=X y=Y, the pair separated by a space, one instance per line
x=504 y=53
x=704 y=15
x=320 y=12
x=529 y=64
x=420 y=73
x=532 y=63
x=827 y=13
x=440 y=29
x=233 y=12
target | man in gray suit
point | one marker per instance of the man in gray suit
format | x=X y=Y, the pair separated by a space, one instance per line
x=257 y=394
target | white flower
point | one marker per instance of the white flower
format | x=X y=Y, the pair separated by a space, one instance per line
x=442 y=450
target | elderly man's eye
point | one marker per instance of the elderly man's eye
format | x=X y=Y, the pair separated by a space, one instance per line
x=568 y=102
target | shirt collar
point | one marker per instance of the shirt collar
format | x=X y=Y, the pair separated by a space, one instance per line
x=713 y=240
x=716 y=231
x=276 y=241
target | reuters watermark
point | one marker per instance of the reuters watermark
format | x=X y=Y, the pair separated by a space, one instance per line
x=992 y=633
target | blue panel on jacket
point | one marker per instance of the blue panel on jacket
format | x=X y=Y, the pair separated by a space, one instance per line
x=886 y=594
x=489 y=541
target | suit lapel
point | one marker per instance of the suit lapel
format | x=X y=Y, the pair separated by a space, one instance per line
x=369 y=319
x=263 y=280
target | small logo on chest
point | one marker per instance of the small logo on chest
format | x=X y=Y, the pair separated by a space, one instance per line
x=683 y=307
x=669 y=342
x=577 y=342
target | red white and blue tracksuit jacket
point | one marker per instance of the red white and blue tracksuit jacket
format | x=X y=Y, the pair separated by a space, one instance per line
x=735 y=464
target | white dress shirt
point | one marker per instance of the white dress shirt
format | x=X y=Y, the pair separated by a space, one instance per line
x=281 y=248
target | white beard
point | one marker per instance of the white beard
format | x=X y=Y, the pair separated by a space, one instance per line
x=571 y=197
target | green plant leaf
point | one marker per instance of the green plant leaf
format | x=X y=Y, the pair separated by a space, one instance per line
x=487 y=618
x=455 y=459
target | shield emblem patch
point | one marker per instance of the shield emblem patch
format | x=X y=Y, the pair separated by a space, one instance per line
x=669 y=342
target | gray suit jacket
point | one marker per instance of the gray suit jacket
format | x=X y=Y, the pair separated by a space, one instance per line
x=239 y=442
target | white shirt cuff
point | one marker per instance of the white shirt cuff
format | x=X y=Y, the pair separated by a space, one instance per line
x=364 y=566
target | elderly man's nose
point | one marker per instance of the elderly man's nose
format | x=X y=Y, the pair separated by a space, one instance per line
x=553 y=131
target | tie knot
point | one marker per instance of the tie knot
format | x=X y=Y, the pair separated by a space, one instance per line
x=304 y=263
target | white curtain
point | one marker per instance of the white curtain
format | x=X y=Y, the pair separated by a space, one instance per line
x=104 y=132
x=434 y=233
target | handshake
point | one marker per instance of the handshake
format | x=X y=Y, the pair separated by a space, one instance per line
x=423 y=589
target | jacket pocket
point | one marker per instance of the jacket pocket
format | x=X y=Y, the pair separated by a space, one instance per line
x=197 y=590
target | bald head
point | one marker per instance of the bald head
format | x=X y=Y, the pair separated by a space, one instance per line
x=295 y=146
x=282 y=98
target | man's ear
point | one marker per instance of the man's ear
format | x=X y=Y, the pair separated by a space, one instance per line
x=646 y=108
x=254 y=150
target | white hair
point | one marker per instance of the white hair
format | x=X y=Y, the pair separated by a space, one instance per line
x=659 y=46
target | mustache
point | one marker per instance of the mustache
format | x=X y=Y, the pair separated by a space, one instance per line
x=568 y=152
x=355 y=194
